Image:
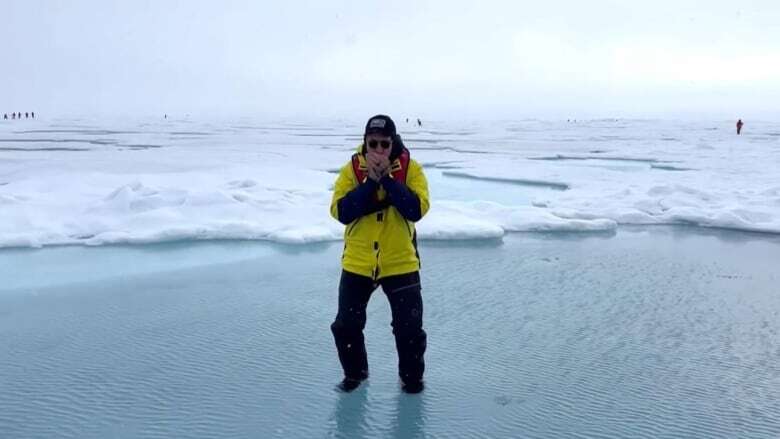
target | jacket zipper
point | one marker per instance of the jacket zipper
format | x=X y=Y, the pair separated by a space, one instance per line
x=376 y=267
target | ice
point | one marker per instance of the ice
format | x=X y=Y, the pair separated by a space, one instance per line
x=453 y=220
x=101 y=181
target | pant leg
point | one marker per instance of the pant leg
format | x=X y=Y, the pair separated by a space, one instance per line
x=405 y=296
x=354 y=292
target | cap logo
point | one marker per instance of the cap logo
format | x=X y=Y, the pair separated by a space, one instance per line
x=377 y=123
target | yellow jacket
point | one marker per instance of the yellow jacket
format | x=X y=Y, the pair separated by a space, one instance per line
x=381 y=241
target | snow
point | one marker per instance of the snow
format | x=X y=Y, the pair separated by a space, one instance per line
x=97 y=182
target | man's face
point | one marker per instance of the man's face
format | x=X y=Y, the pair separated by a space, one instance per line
x=379 y=144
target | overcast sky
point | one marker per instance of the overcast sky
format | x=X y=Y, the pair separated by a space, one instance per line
x=424 y=57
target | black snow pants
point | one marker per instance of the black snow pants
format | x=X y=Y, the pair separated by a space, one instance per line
x=404 y=293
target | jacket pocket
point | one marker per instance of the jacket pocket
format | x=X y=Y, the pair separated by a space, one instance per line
x=352 y=226
x=408 y=229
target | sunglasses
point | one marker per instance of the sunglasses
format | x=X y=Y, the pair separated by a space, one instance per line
x=374 y=143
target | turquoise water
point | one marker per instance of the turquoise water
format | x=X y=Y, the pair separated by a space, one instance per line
x=646 y=333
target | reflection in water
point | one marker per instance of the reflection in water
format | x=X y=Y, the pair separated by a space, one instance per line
x=409 y=416
x=351 y=417
x=350 y=414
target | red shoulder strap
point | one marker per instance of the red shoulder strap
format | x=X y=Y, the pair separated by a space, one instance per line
x=398 y=169
x=361 y=173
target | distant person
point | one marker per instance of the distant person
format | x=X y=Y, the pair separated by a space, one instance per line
x=739 y=126
x=26 y=115
x=379 y=195
x=166 y=116
x=33 y=115
x=419 y=122
x=407 y=120
x=13 y=116
x=5 y=116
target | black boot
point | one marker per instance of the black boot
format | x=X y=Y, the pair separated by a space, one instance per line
x=415 y=386
x=349 y=384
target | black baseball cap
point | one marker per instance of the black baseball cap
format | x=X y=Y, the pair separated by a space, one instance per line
x=380 y=124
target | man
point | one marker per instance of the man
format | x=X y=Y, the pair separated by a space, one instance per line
x=739 y=126
x=379 y=195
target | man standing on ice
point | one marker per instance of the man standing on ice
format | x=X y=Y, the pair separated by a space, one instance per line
x=379 y=195
x=739 y=126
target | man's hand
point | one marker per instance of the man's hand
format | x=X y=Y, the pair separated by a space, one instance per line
x=372 y=173
x=372 y=163
x=378 y=165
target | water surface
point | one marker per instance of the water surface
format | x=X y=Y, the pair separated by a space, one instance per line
x=646 y=333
